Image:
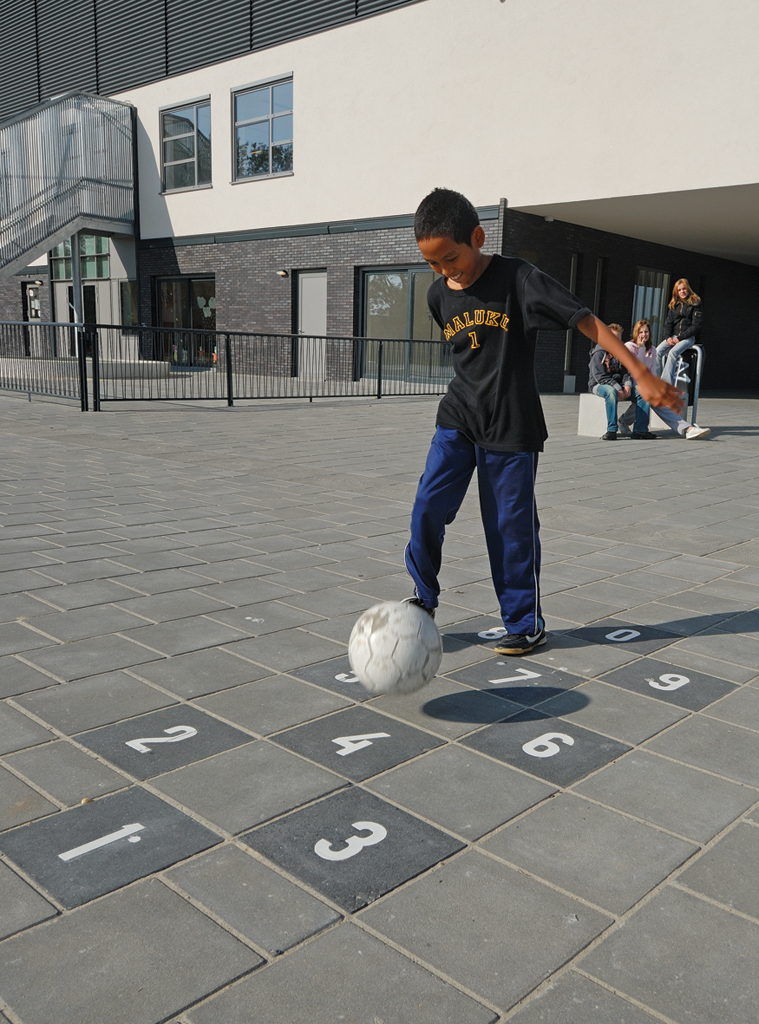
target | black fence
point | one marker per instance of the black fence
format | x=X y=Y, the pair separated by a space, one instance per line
x=95 y=363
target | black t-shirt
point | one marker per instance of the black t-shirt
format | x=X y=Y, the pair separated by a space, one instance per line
x=493 y=398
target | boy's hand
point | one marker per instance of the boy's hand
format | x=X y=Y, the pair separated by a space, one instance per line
x=657 y=392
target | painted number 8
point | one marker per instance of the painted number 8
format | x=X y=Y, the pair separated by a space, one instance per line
x=543 y=746
x=353 y=844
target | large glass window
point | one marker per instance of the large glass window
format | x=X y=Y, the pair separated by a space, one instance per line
x=188 y=303
x=186 y=144
x=650 y=299
x=264 y=131
x=93 y=258
x=129 y=302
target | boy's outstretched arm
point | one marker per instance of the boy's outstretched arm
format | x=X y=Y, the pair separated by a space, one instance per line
x=652 y=389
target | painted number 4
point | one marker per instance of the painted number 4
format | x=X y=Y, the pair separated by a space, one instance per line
x=350 y=744
x=353 y=844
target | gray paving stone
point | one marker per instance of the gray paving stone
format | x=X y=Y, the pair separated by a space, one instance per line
x=635 y=637
x=22 y=579
x=335 y=674
x=247 y=591
x=272 y=704
x=66 y=773
x=163 y=740
x=335 y=601
x=20 y=803
x=83 y=595
x=613 y=711
x=85 y=622
x=464 y=919
x=248 y=785
x=574 y=999
x=91 y=657
x=346 y=975
x=286 y=649
x=447 y=708
x=18 y=731
x=164 y=956
x=200 y=673
x=21 y=906
x=16 y=638
x=174 y=604
x=741 y=707
x=265 y=617
x=692 y=803
x=21 y=606
x=92 y=569
x=158 y=581
x=257 y=902
x=522 y=684
x=357 y=742
x=592 y=852
x=182 y=636
x=716 y=746
x=98 y=700
x=352 y=847
x=727 y=871
x=582 y=659
x=685 y=958
x=17 y=677
x=461 y=790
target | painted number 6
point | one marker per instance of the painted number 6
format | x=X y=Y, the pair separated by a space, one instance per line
x=353 y=844
x=543 y=746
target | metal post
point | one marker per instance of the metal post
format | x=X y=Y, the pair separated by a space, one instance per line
x=569 y=380
x=76 y=302
x=228 y=357
x=697 y=387
x=95 y=372
x=379 y=370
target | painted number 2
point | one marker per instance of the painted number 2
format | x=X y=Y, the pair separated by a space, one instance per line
x=671 y=681
x=177 y=733
x=353 y=844
x=543 y=746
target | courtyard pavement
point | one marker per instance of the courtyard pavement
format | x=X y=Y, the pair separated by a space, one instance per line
x=567 y=838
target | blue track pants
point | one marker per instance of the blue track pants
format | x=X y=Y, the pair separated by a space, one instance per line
x=506 y=483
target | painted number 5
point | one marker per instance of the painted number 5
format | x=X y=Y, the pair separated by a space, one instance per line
x=353 y=844
x=543 y=746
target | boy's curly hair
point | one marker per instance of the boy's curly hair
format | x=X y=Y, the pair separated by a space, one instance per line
x=445 y=214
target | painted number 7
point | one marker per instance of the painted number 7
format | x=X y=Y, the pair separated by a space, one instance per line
x=521 y=673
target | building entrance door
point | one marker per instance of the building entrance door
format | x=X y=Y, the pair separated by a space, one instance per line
x=311 y=357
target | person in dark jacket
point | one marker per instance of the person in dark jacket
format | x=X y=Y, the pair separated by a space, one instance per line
x=681 y=328
x=609 y=380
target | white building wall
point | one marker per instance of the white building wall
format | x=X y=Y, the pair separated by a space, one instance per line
x=541 y=101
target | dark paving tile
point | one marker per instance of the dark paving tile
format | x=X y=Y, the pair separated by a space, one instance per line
x=257 y=902
x=459 y=918
x=93 y=849
x=246 y=786
x=16 y=677
x=272 y=704
x=613 y=711
x=161 y=741
x=574 y=999
x=163 y=956
x=637 y=638
x=200 y=673
x=526 y=685
x=346 y=975
x=447 y=708
x=352 y=847
x=665 y=681
x=357 y=742
x=727 y=872
x=680 y=799
x=553 y=749
x=595 y=853
x=477 y=797
x=336 y=675
x=20 y=803
x=715 y=746
x=88 y=703
x=18 y=731
x=66 y=773
x=685 y=958
x=482 y=630
x=91 y=657
x=20 y=906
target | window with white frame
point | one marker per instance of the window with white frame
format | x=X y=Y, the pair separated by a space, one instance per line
x=263 y=138
x=186 y=146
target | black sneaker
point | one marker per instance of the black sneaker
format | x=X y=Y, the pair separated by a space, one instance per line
x=420 y=604
x=520 y=643
x=644 y=435
x=610 y=435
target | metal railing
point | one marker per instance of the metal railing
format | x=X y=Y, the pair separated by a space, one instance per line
x=64 y=164
x=97 y=363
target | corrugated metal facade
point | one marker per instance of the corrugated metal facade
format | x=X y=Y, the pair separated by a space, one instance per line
x=106 y=46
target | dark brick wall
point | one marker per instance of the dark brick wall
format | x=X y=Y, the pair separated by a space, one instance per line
x=11 y=307
x=730 y=335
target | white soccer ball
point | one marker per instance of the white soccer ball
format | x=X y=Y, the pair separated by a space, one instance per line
x=395 y=647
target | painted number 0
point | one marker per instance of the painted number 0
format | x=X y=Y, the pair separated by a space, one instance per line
x=353 y=844
x=668 y=682
x=621 y=636
x=543 y=746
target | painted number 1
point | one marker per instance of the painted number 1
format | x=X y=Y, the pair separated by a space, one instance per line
x=353 y=844
x=125 y=832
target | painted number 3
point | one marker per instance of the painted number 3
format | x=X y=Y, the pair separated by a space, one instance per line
x=353 y=844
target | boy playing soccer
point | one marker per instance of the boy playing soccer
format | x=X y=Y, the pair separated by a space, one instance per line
x=490 y=308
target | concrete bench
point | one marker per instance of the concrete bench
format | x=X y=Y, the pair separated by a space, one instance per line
x=591 y=421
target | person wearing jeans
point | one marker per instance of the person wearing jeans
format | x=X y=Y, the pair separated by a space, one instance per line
x=681 y=328
x=608 y=379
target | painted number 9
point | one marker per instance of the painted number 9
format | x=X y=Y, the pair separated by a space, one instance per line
x=668 y=682
x=543 y=746
x=353 y=844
